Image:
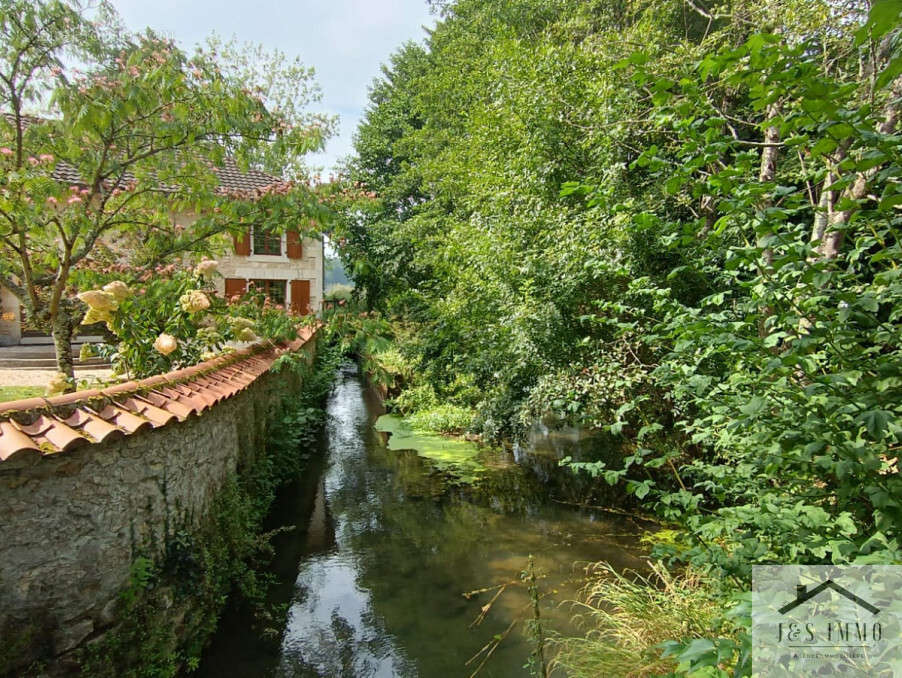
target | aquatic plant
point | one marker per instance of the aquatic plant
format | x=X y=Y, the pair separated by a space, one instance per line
x=460 y=458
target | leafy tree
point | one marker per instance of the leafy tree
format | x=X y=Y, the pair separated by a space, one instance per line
x=786 y=376
x=127 y=140
x=676 y=221
x=383 y=166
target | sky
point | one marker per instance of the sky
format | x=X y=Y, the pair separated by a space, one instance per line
x=345 y=41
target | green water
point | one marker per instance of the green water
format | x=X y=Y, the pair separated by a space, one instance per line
x=459 y=459
x=388 y=541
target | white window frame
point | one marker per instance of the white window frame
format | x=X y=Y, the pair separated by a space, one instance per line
x=283 y=248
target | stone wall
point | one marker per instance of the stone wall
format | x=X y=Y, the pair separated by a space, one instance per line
x=71 y=520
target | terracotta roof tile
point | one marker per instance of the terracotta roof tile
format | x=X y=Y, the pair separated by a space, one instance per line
x=231 y=177
x=237 y=381
x=155 y=381
x=23 y=405
x=235 y=375
x=140 y=406
x=186 y=397
x=186 y=372
x=214 y=385
x=123 y=419
x=13 y=442
x=159 y=400
x=73 y=398
x=203 y=395
x=52 y=435
x=127 y=387
x=41 y=426
x=93 y=425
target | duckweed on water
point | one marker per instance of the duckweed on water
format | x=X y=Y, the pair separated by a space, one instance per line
x=459 y=458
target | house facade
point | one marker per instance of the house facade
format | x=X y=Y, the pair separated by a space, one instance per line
x=286 y=267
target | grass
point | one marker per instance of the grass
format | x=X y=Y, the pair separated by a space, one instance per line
x=627 y=616
x=445 y=418
x=8 y=393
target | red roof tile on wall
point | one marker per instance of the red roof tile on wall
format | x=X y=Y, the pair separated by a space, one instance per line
x=14 y=443
x=44 y=426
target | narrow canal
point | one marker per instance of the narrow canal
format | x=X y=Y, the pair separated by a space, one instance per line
x=386 y=545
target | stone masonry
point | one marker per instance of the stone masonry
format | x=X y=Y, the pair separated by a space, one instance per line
x=70 y=520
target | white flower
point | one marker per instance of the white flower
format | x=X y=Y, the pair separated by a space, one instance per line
x=99 y=300
x=206 y=268
x=118 y=289
x=238 y=323
x=96 y=316
x=194 y=301
x=247 y=334
x=165 y=344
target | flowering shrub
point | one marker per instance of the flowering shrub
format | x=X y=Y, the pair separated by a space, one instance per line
x=194 y=301
x=174 y=319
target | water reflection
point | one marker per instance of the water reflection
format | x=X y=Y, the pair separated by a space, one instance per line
x=386 y=547
x=332 y=627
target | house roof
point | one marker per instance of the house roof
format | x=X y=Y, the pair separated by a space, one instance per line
x=231 y=178
x=38 y=427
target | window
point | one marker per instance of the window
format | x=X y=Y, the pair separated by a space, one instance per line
x=265 y=242
x=274 y=289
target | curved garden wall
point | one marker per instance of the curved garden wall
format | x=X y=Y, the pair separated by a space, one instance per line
x=85 y=478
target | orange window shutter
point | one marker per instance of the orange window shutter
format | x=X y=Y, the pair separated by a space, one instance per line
x=300 y=296
x=242 y=244
x=235 y=286
x=295 y=249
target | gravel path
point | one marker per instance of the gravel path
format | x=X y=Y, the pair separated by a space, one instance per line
x=13 y=377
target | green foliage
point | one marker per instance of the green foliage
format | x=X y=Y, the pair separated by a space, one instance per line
x=366 y=338
x=395 y=363
x=415 y=399
x=175 y=319
x=339 y=292
x=693 y=246
x=19 y=392
x=144 y=126
x=784 y=377
x=273 y=322
x=454 y=457
x=152 y=310
x=444 y=418
x=677 y=224
x=537 y=664
x=190 y=580
x=627 y=614
x=468 y=235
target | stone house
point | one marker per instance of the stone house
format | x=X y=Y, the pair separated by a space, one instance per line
x=287 y=267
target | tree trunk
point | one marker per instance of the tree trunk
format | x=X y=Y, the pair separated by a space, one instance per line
x=838 y=221
x=63 y=330
x=769 y=156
